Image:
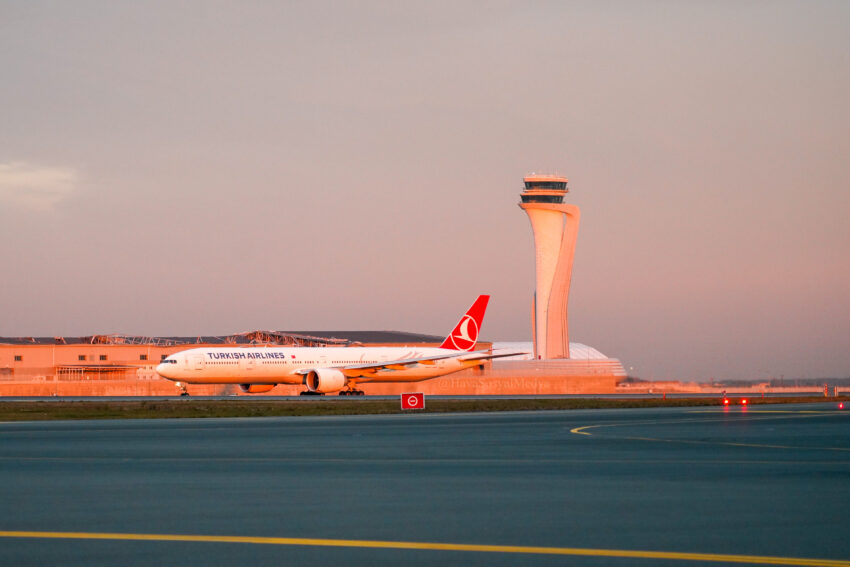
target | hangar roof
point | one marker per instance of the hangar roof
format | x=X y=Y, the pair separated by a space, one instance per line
x=250 y=337
x=578 y=351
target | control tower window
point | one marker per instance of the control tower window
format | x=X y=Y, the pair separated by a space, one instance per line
x=559 y=185
x=542 y=198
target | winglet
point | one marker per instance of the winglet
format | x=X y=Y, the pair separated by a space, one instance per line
x=465 y=334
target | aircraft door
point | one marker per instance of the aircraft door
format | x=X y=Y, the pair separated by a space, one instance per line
x=198 y=361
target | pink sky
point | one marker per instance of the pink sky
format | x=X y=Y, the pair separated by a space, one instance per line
x=213 y=167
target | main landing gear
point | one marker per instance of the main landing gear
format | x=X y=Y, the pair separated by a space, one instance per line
x=352 y=392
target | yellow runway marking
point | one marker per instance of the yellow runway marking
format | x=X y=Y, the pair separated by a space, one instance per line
x=747 y=411
x=731 y=444
x=574 y=551
x=775 y=414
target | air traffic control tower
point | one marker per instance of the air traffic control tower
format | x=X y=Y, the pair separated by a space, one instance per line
x=555 y=227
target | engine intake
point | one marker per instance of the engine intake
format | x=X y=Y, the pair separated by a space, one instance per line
x=324 y=380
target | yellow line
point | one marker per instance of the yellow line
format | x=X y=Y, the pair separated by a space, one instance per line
x=578 y=430
x=749 y=410
x=730 y=444
x=627 y=554
x=806 y=413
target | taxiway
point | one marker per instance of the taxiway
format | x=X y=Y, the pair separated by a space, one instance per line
x=683 y=485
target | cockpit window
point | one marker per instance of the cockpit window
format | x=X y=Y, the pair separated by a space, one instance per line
x=168 y=361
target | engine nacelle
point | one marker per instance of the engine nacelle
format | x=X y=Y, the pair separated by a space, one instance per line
x=324 y=380
x=256 y=388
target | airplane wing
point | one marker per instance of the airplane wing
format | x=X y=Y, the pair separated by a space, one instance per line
x=370 y=369
x=486 y=355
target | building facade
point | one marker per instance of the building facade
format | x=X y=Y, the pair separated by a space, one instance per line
x=110 y=365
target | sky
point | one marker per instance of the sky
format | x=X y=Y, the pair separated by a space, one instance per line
x=201 y=167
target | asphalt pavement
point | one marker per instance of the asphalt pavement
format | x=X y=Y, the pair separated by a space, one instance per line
x=687 y=486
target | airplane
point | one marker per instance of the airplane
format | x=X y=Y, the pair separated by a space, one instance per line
x=327 y=369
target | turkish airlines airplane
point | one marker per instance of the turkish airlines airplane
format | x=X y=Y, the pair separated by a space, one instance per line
x=328 y=369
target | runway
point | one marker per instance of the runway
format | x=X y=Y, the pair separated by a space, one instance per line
x=687 y=486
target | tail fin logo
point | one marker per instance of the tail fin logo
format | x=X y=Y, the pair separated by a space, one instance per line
x=465 y=334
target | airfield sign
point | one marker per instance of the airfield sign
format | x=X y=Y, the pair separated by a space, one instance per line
x=413 y=401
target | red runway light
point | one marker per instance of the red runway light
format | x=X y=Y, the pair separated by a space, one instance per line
x=725 y=401
x=840 y=405
x=744 y=402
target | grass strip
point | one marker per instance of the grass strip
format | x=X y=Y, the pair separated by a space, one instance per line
x=257 y=407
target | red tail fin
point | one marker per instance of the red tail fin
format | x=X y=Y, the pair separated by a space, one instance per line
x=465 y=334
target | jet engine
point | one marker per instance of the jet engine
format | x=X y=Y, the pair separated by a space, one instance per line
x=323 y=380
x=256 y=388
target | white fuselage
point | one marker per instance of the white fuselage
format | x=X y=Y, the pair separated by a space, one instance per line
x=281 y=365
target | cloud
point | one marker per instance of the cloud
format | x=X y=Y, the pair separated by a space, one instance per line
x=36 y=187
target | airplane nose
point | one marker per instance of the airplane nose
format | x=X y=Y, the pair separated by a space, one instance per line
x=162 y=370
